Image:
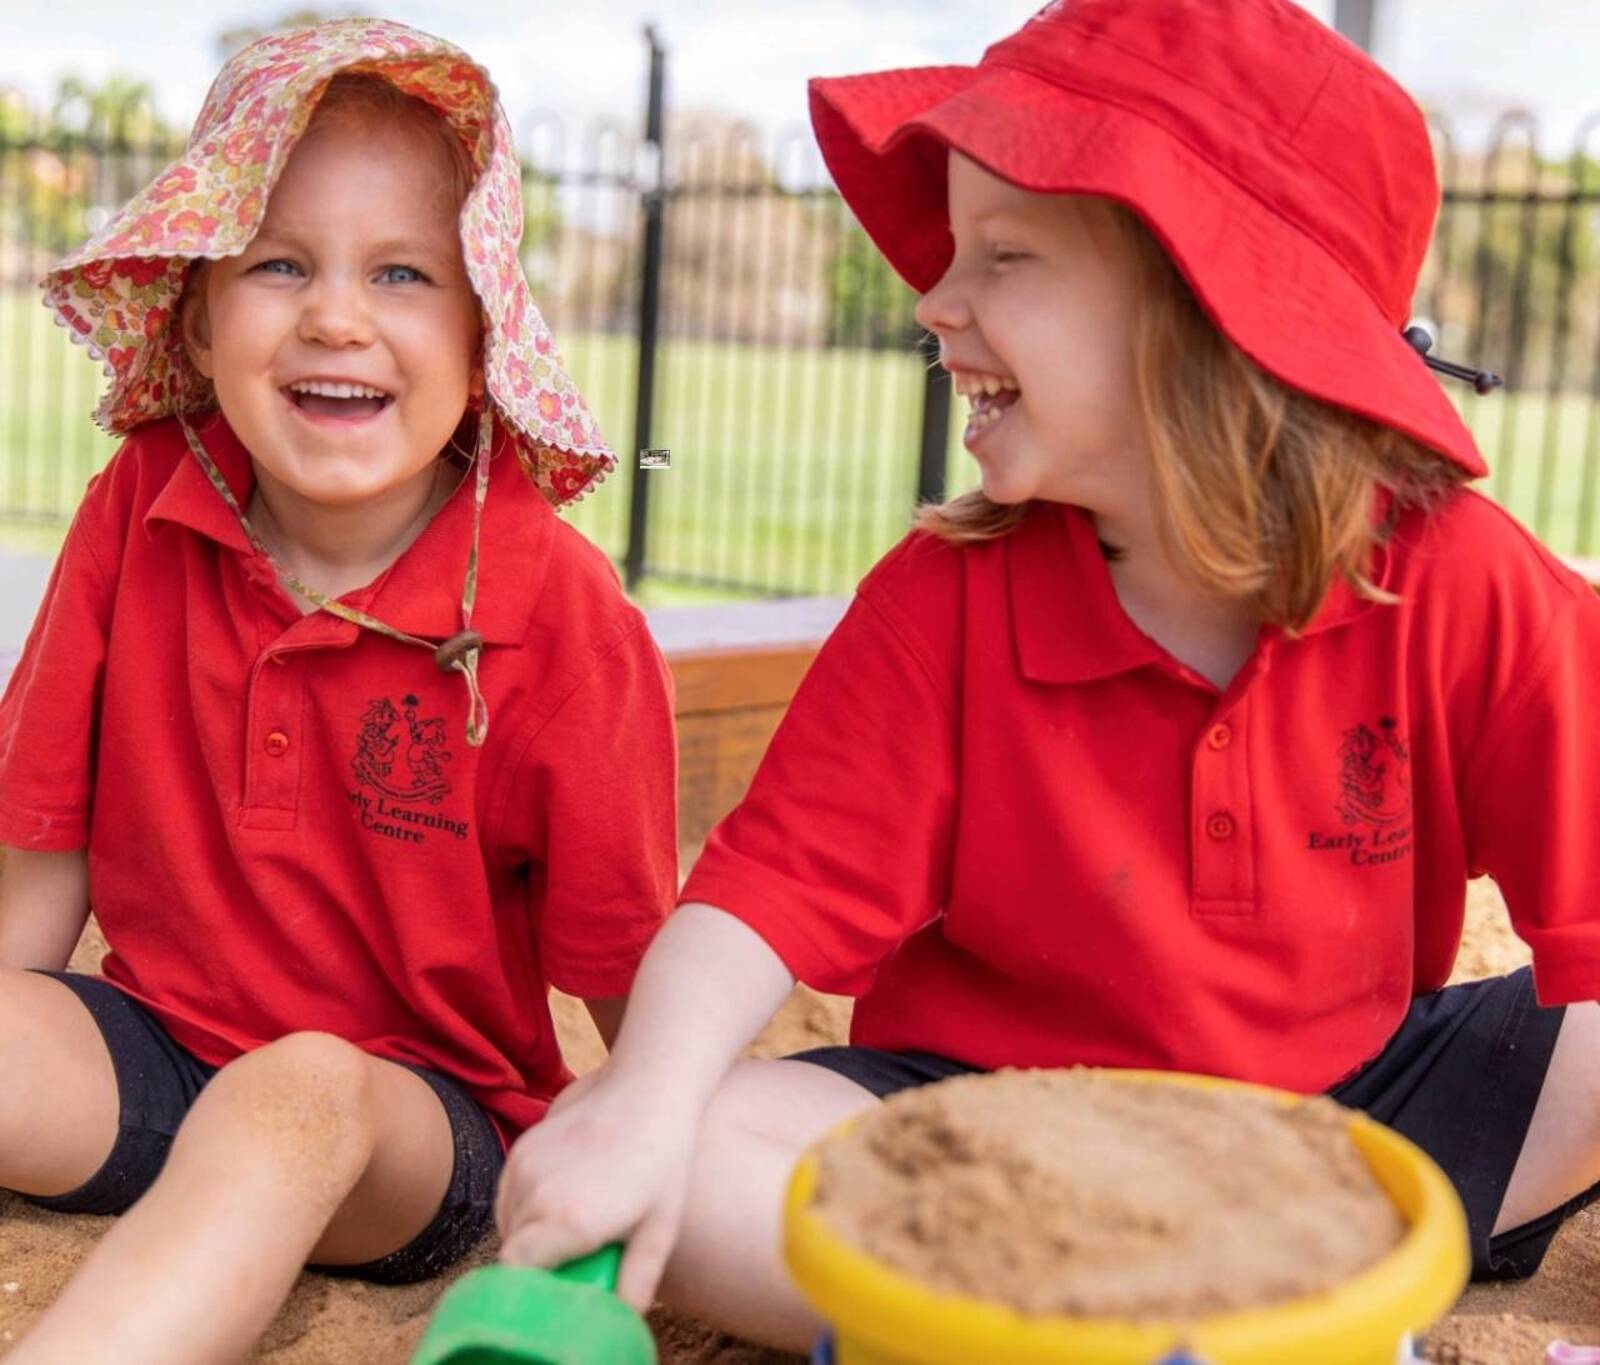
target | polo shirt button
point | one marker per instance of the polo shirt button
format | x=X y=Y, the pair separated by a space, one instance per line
x=1220 y=826
x=1219 y=736
x=277 y=743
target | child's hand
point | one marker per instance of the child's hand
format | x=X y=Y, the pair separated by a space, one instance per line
x=611 y=1160
x=609 y=1163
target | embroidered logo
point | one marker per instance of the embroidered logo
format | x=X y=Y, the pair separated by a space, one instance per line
x=401 y=757
x=378 y=744
x=1374 y=776
x=1374 y=796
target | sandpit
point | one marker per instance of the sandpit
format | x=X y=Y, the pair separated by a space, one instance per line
x=340 y=1322
x=1070 y=1192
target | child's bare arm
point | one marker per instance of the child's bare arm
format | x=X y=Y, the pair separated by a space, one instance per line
x=707 y=986
x=611 y=1162
x=44 y=903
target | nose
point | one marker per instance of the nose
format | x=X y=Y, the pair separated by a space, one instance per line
x=335 y=314
x=944 y=308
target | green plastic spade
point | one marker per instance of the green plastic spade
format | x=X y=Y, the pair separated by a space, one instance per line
x=515 y=1315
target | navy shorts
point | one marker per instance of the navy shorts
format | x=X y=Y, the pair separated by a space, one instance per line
x=158 y=1081
x=1460 y=1078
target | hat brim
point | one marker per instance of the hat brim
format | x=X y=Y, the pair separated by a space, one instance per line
x=1283 y=298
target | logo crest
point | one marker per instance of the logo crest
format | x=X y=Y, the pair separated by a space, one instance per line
x=1374 y=776
x=400 y=755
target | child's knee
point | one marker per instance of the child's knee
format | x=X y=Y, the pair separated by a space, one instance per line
x=305 y=1098
x=777 y=1104
x=734 y=1113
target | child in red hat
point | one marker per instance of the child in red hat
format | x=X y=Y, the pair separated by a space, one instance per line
x=1177 y=743
x=353 y=747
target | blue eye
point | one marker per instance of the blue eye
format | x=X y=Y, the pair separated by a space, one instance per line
x=416 y=276
x=276 y=260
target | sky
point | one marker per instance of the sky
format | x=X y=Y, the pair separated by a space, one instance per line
x=751 y=58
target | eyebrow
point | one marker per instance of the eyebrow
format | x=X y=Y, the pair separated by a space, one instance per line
x=1006 y=215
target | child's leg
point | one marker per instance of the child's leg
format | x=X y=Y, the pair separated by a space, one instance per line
x=1560 y=1156
x=1505 y=1095
x=726 y=1267
x=304 y=1149
x=58 y=1116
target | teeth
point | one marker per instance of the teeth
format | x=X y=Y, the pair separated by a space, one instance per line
x=326 y=390
x=969 y=385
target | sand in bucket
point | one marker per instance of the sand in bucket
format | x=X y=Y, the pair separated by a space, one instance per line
x=1060 y=1192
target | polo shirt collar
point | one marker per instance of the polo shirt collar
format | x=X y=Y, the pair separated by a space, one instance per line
x=1342 y=604
x=188 y=499
x=1066 y=620
x=420 y=593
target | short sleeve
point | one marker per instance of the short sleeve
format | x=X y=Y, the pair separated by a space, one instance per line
x=596 y=789
x=1532 y=805
x=841 y=849
x=49 y=711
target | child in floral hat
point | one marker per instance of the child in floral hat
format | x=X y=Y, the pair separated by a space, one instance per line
x=353 y=747
x=1176 y=744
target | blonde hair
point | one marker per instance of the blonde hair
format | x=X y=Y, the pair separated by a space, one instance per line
x=1263 y=493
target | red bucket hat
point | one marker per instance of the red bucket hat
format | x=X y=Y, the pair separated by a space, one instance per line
x=1291 y=181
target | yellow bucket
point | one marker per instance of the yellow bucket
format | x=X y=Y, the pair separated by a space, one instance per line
x=881 y=1317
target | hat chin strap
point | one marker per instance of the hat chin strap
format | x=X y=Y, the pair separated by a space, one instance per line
x=461 y=652
x=1422 y=342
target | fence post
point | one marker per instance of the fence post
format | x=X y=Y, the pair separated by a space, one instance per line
x=1357 y=19
x=654 y=206
x=935 y=422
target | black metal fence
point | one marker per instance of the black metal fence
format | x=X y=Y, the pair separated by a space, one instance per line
x=713 y=298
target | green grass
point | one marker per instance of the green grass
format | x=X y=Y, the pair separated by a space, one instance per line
x=1543 y=453
x=792 y=469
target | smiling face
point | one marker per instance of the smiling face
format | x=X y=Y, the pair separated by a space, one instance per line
x=342 y=342
x=1036 y=320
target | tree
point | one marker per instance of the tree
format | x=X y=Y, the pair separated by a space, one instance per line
x=1510 y=278
x=868 y=304
x=98 y=144
x=118 y=109
x=16 y=118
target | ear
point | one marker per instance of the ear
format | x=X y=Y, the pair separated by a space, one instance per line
x=195 y=320
x=480 y=356
x=476 y=383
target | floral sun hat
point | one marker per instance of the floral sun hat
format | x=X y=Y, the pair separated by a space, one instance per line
x=117 y=295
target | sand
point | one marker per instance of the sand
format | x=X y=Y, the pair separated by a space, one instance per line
x=335 y=1322
x=1070 y=1192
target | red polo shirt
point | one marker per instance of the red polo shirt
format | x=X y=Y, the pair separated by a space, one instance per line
x=286 y=828
x=1026 y=835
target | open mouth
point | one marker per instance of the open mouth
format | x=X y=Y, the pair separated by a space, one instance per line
x=991 y=396
x=322 y=401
